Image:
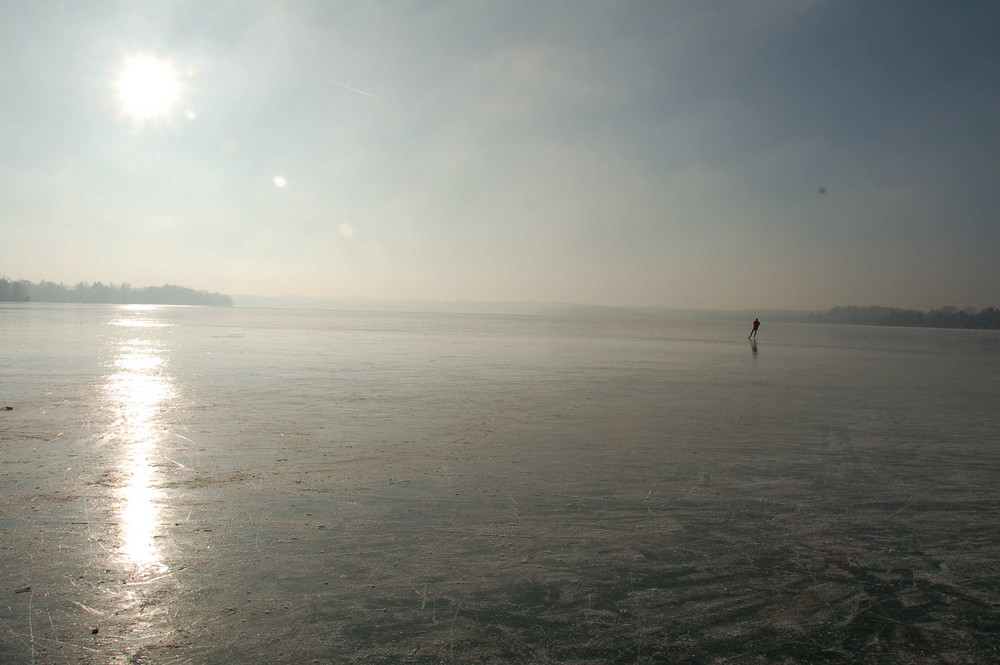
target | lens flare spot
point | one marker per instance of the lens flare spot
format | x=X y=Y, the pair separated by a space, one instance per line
x=346 y=230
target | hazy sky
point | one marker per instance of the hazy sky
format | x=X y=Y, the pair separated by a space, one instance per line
x=752 y=153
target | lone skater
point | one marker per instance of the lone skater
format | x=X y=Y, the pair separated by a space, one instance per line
x=753 y=332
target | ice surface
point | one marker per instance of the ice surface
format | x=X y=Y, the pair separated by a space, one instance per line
x=232 y=486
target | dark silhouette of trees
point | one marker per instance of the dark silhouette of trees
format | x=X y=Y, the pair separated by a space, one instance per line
x=98 y=292
x=946 y=317
x=18 y=291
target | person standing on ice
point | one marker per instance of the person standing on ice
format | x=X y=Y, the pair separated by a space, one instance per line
x=753 y=331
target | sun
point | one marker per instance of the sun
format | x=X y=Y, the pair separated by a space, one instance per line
x=148 y=88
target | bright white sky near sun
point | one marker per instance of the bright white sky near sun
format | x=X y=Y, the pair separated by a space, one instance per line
x=745 y=154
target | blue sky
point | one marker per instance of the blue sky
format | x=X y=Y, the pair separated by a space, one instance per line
x=705 y=154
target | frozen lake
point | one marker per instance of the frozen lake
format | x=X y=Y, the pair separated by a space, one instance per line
x=190 y=485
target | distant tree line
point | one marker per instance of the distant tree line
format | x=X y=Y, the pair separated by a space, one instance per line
x=946 y=317
x=122 y=294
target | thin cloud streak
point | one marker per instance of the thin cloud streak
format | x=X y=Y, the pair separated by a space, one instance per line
x=347 y=87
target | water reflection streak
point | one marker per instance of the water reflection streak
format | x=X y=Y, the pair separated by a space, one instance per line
x=139 y=390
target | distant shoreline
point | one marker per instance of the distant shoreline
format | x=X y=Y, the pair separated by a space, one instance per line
x=946 y=317
x=124 y=294
x=99 y=293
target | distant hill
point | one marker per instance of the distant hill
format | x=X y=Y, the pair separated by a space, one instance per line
x=123 y=294
x=946 y=317
x=367 y=305
x=569 y=310
x=675 y=314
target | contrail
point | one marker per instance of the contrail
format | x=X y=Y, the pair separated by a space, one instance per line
x=347 y=87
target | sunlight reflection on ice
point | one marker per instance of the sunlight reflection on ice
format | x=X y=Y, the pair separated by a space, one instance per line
x=137 y=320
x=139 y=390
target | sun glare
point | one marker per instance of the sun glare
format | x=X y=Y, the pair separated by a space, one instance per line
x=148 y=87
